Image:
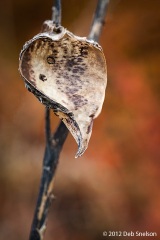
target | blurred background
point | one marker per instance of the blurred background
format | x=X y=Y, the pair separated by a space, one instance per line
x=115 y=184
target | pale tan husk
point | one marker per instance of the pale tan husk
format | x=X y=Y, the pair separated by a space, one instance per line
x=68 y=74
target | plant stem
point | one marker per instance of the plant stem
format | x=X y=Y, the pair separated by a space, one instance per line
x=54 y=145
x=98 y=21
x=56 y=13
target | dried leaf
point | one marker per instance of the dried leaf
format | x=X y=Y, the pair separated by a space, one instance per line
x=68 y=74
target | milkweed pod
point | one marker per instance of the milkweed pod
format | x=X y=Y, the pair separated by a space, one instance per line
x=68 y=74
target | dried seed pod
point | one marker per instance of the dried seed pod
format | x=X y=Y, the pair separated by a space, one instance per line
x=68 y=74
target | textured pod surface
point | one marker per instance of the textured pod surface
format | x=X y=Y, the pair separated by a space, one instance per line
x=68 y=74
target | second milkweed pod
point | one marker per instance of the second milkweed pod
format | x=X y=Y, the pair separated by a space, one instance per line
x=68 y=74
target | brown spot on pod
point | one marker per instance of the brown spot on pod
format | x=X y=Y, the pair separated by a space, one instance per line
x=50 y=60
x=42 y=77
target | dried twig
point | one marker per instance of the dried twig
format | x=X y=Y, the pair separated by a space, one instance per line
x=56 y=13
x=54 y=143
x=98 y=20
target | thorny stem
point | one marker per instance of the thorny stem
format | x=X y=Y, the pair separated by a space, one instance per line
x=54 y=143
x=98 y=20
